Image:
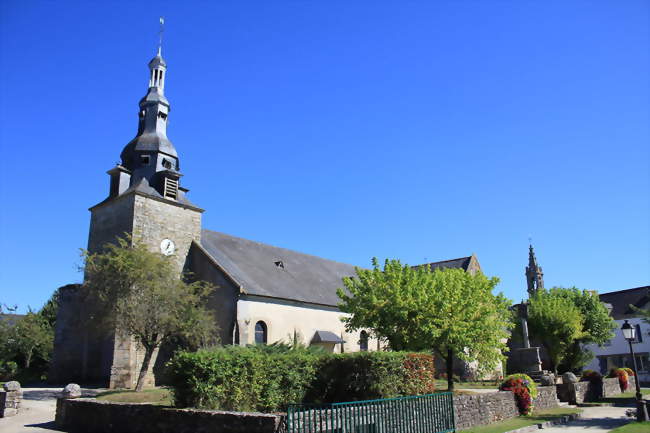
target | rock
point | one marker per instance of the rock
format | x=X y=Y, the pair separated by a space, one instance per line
x=569 y=377
x=547 y=379
x=71 y=390
x=12 y=386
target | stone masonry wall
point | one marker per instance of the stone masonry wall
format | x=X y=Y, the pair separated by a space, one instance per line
x=611 y=386
x=580 y=392
x=92 y=416
x=546 y=398
x=478 y=409
x=10 y=399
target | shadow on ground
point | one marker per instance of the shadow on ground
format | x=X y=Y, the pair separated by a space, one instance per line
x=52 y=394
x=50 y=425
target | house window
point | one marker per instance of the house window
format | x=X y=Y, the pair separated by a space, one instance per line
x=260 y=333
x=363 y=341
x=639 y=336
x=144 y=159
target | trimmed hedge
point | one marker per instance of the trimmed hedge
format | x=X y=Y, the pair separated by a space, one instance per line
x=252 y=379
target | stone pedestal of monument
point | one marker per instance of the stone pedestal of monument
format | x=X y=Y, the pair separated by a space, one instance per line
x=529 y=362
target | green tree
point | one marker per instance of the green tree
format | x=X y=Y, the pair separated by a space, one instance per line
x=138 y=293
x=448 y=311
x=50 y=309
x=31 y=337
x=597 y=328
x=556 y=323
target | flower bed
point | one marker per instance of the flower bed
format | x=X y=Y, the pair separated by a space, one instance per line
x=525 y=391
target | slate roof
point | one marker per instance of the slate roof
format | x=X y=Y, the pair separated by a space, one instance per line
x=461 y=263
x=265 y=270
x=622 y=299
x=10 y=318
x=326 y=337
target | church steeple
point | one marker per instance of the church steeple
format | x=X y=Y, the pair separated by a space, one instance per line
x=534 y=274
x=151 y=157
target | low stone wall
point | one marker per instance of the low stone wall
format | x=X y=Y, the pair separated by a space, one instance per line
x=92 y=416
x=477 y=409
x=546 y=398
x=10 y=399
x=580 y=392
x=611 y=386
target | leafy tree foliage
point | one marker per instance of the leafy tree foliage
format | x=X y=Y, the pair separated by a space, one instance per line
x=556 y=323
x=138 y=293
x=26 y=341
x=449 y=311
x=579 y=318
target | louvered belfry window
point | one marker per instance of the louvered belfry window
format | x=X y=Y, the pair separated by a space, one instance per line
x=171 y=188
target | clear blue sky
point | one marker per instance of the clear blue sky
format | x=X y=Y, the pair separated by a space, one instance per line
x=413 y=130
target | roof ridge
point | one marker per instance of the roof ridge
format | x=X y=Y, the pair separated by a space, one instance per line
x=624 y=290
x=444 y=261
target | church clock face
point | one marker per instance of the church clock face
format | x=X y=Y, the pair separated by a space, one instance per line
x=167 y=247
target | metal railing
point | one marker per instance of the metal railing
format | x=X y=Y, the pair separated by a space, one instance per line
x=431 y=413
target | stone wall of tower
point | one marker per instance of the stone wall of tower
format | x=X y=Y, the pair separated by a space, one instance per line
x=105 y=357
x=156 y=219
x=153 y=220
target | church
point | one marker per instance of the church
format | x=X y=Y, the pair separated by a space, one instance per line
x=264 y=294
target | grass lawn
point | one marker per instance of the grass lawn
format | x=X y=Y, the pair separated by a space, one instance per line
x=523 y=421
x=161 y=396
x=633 y=427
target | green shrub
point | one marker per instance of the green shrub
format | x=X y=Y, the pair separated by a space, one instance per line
x=240 y=378
x=371 y=375
x=260 y=379
x=8 y=370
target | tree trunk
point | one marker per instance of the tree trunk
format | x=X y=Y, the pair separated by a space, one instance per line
x=28 y=358
x=148 y=353
x=450 y=370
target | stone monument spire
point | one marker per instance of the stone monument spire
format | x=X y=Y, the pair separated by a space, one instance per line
x=534 y=274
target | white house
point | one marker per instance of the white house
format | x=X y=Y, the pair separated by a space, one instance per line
x=616 y=353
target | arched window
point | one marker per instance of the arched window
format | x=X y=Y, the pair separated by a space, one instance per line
x=260 y=333
x=363 y=341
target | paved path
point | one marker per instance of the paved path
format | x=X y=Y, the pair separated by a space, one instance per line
x=36 y=414
x=594 y=420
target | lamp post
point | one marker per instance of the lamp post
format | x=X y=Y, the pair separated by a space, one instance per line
x=629 y=332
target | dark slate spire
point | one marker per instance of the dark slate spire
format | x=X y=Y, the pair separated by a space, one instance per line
x=151 y=156
x=534 y=274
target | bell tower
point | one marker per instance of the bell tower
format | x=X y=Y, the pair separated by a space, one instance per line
x=146 y=200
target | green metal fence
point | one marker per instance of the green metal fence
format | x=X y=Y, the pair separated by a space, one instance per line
x=431 y=413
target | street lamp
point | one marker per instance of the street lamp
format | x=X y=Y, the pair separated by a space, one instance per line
x=629 y=332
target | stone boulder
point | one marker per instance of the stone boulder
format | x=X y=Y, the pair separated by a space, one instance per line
x=547 y=379
x=71 y=390
x=569 y=377
x=11 y=386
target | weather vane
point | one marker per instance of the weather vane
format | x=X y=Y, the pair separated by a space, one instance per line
x=160 y=35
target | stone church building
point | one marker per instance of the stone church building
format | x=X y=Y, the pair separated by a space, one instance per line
x=263 y=294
